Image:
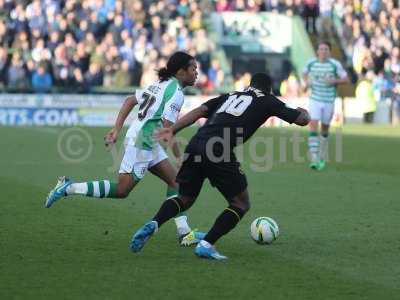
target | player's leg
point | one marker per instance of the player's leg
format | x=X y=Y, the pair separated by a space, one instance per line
x=313 y=139
x=168 y=210
x=190 y=181
x=104 y=188
x=225 y=222
x=326 y=118
x=167 y=172
x=94 y=189
x=131 y=171
x=324 y=146
x=230 y=180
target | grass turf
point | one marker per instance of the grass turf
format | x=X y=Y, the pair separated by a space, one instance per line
x=339 y=228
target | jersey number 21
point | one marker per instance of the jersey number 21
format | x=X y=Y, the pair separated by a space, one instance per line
x=149 y=100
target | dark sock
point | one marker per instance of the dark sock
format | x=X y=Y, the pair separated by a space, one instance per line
x=225 y=222
x=169 y=209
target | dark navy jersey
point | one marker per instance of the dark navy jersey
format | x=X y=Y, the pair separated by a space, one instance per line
x=235 y=117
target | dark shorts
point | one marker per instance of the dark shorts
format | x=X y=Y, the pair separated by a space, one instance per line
x=226 y=176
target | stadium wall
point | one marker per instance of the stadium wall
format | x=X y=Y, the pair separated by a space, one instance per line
x=102 y=110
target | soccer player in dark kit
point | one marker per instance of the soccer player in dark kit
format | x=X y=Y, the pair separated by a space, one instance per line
x=232 y=119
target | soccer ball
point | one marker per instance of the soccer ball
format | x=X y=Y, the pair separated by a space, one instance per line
x=264 y=230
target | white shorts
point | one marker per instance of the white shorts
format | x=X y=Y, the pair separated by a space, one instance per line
x=137 y=161
x=321 y=111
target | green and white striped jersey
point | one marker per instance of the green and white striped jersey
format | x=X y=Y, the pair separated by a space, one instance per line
x=160 y=100
x=318 y=74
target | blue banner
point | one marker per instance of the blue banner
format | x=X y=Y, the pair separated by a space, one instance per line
x=38 y=116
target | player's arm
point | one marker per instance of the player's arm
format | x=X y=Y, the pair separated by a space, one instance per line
x=305 y=83
x=175 y=146
x=167 y=133
x=298 y=116
x=190 y=118
x=303 y=118
x=202 y=111
x=112 y=135
x=340 y=80
x=342 y=76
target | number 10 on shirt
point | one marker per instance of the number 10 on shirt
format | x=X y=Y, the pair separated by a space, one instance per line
x=235 y=105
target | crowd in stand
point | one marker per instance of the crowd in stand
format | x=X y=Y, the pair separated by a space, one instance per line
x=371 y=35
x=81 y=45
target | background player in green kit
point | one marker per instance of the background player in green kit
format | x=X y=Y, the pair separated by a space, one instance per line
x=159 y=106
x=322 y=75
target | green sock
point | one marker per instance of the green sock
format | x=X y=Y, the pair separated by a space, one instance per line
x=96 y=189
x=313 y=147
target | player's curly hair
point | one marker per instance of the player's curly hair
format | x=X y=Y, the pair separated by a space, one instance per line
x=178 y=60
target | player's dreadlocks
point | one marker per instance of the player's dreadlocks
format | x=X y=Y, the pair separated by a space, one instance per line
x=179 y=60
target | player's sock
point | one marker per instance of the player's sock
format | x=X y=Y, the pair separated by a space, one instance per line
x=171 y=193
x=96 y=189
x=182 y=225
x=169 y=209
x=324 y=146
x=313 y=147
x=224 y=223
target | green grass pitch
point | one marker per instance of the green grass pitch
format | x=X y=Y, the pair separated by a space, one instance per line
x=340 y=228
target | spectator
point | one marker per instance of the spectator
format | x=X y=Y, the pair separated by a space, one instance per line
x=116 y=28
x=215 y=75
x=325 y=20
x=81 y=58
x=18 y=20
x=16 y=77
x=61 y=66
x=123 y=76
x=4 y=10
x=381 y=86
x=156 y=32
x=40 y=52
x=82 y=30
x=196 y=18
x=78 y=80
x=54 y=41
x=365 y=96
x=127 y=53
x=137 y=11
x=3 y=66
x=290 y=88
x=310 y=14
x=93 y=77
x=41 y=80
x=203 y=47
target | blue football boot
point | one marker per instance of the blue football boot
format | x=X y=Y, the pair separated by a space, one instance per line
x=208 y=252
x=141 y=236
x=58 y=192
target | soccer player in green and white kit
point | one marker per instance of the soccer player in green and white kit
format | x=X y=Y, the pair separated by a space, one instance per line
x=159 y=106
x=322 y=74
